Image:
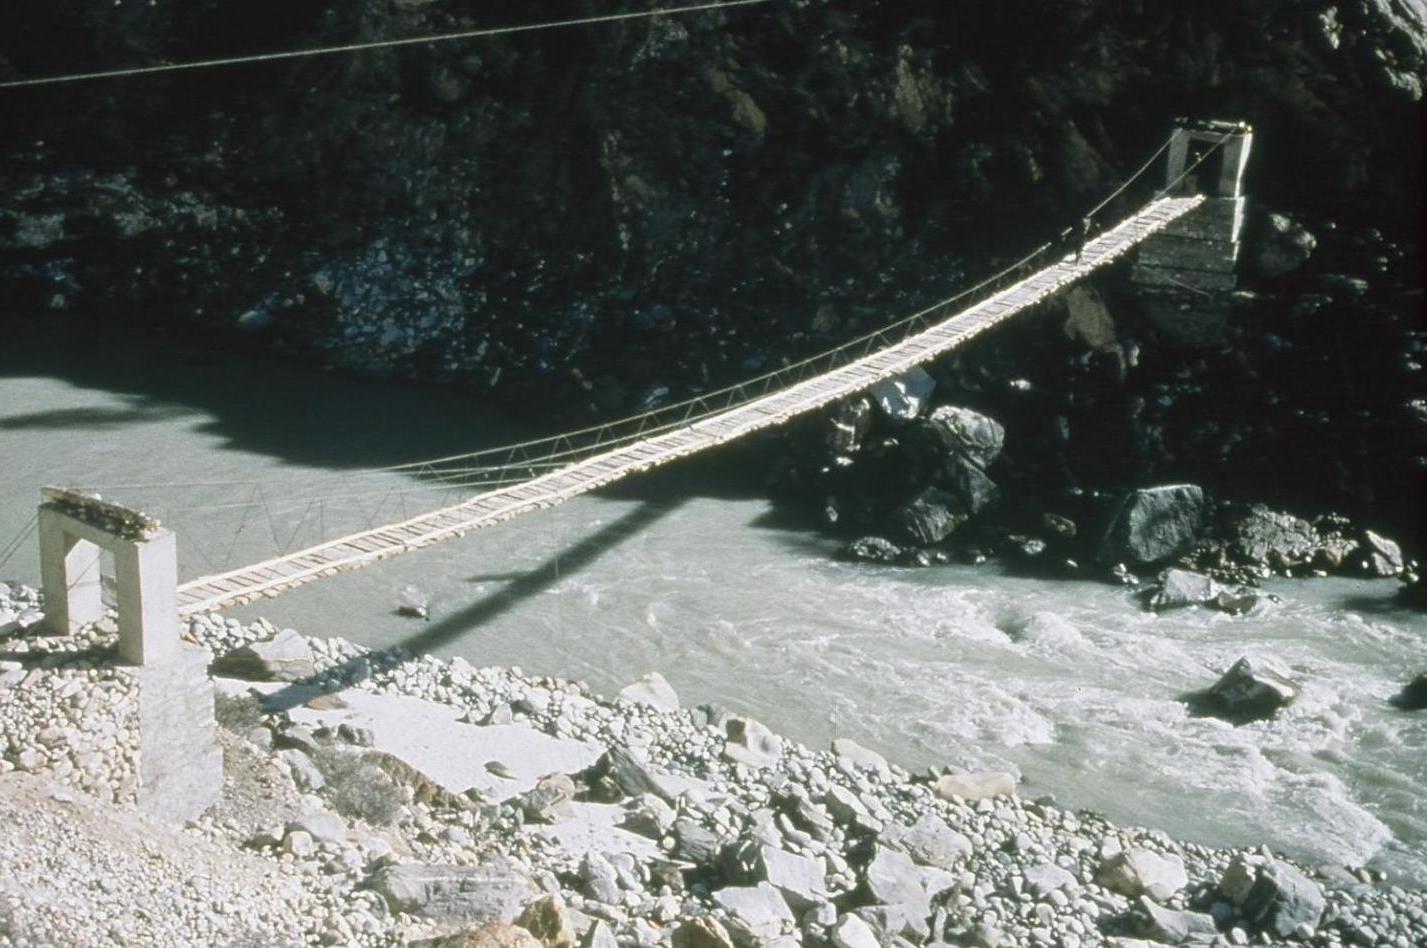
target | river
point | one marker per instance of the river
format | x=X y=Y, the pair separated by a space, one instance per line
x=689 y=572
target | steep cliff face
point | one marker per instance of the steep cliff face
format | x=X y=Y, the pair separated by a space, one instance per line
x=594 y=215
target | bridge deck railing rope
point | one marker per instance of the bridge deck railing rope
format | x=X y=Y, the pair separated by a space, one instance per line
x=497 y=466
x=658 y=440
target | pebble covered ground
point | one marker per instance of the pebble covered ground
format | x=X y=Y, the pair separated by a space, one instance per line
x=743 y=838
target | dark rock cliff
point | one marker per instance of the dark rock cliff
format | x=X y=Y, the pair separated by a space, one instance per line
x=599 y=217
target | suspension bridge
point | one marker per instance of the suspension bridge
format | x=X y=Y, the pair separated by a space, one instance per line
x=1185 y=224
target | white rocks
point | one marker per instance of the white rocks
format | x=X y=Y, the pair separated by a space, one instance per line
x=321 y=826
x=818 y=829
x=414 y=603
x=798 y=878
x=929 y=841
x=1137 y=871
x=545 y=802
x=653 y=691
x=1180 y=588
x=631 y=772
x=1379 y=556
x=750 y=743
x=852 y=932
x=284 y=657
x=1047 y=877
x=855 y=755
x=648 y=815
x=755 y=913
x=422 y=732
x=1173 y=927
x=598 y=935
x=904 y=397
x=304 y=772
x=1283 y=900
x=492 y=891
x=891 y=878
x=300 y=844
x=599 y=878
x=70 y=721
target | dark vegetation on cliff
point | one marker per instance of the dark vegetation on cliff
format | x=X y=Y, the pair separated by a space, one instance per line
x=590 y=220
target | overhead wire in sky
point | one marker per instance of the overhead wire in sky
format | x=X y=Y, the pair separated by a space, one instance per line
x=373 y=44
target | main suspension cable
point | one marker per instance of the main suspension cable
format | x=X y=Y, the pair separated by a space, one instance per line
x=373 y=44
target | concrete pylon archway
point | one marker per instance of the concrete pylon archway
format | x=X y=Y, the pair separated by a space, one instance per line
x=74 y=530
x=180 y=764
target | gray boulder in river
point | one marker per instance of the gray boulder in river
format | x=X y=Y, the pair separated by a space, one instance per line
x=1249 y=691
x=1414 y=695
x=1155 y=524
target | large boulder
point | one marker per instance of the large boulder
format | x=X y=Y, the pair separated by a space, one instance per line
x=1155 y=524
x=545 y=802
x=891 y=879
x=1248 y=691
x=1261 y=536
x=965 y=480
x=848 y=423
x=1176 y=928
x=1379 y=556
x=929 y=841
x=756 y=914
x=905 y=397
x=1283 y=900
x=629 y=771
x=852 y=932
x=694 y=842
x=1179 y=588
x=284 y=657
x=652 y=690
x=1045 y=878
x=854 y=755
x=965 y=433
x=1282 y=246
x=751 y=743
x=929 y=517
x=1414 y=694
x=493 y=891
x=1137 y=871
x=798 y=878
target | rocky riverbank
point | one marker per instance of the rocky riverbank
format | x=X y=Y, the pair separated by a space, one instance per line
x=378 y=798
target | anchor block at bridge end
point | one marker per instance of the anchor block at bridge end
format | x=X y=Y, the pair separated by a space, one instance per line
x=180 y=763
x=1185 y=271
x=75 y=530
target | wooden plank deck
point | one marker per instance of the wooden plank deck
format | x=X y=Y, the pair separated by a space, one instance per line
x=370 y=546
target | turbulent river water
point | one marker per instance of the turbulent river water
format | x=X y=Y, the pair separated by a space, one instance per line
x=689 y=573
